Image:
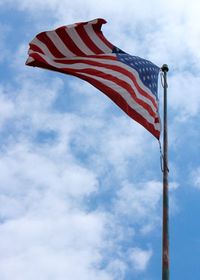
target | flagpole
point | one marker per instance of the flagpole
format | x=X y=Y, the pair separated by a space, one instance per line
x=165 y=236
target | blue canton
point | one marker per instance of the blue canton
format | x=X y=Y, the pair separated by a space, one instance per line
x=147 y=71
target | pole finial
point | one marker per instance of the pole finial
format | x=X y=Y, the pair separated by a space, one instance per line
x=165 y=68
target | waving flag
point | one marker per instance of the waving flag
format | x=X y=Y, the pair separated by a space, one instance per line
x=82 y=50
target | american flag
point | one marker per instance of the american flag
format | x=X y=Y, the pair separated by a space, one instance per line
x=82 y=50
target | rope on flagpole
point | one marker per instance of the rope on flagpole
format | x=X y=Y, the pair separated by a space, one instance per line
x=161 y=156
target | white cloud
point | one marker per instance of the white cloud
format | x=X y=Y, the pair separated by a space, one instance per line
x=6 y=108
x=117 y=269
x=4 y=34
x=58 y=246
x=183 y=95
x=195 y=178
x=46 y=226
x=121 y=140
x=43 y=172
x=141 y=200
x=140 y=258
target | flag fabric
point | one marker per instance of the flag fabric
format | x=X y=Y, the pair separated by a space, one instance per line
x=82 y=50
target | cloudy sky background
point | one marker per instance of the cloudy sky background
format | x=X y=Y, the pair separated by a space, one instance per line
x=80 y=182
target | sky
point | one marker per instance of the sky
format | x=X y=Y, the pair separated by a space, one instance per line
x=80 y=182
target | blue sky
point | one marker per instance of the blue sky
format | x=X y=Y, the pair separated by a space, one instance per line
x=80 y=182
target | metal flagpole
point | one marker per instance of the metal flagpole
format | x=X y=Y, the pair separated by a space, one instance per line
x=165 y=236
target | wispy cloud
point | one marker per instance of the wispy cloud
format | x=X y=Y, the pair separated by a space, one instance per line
x=140 y=258
x=195 y=178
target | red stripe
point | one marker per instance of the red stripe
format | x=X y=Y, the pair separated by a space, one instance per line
x=106 y=42
x=115 y=68
x=97 y=29
x=87 y=40
x=49 y=44
x=69 y=43
x=35 y=48
x=72 y=60
x=37 y=60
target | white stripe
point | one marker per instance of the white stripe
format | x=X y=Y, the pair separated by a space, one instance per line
x=96 y=40
x=58 y=43
x=30 y=51
x=78 y=41
x=43 y=47
x=126 y=96
x=29 y=60
x=95 y=58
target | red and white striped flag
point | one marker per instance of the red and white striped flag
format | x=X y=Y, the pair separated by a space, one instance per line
x=82 y=50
